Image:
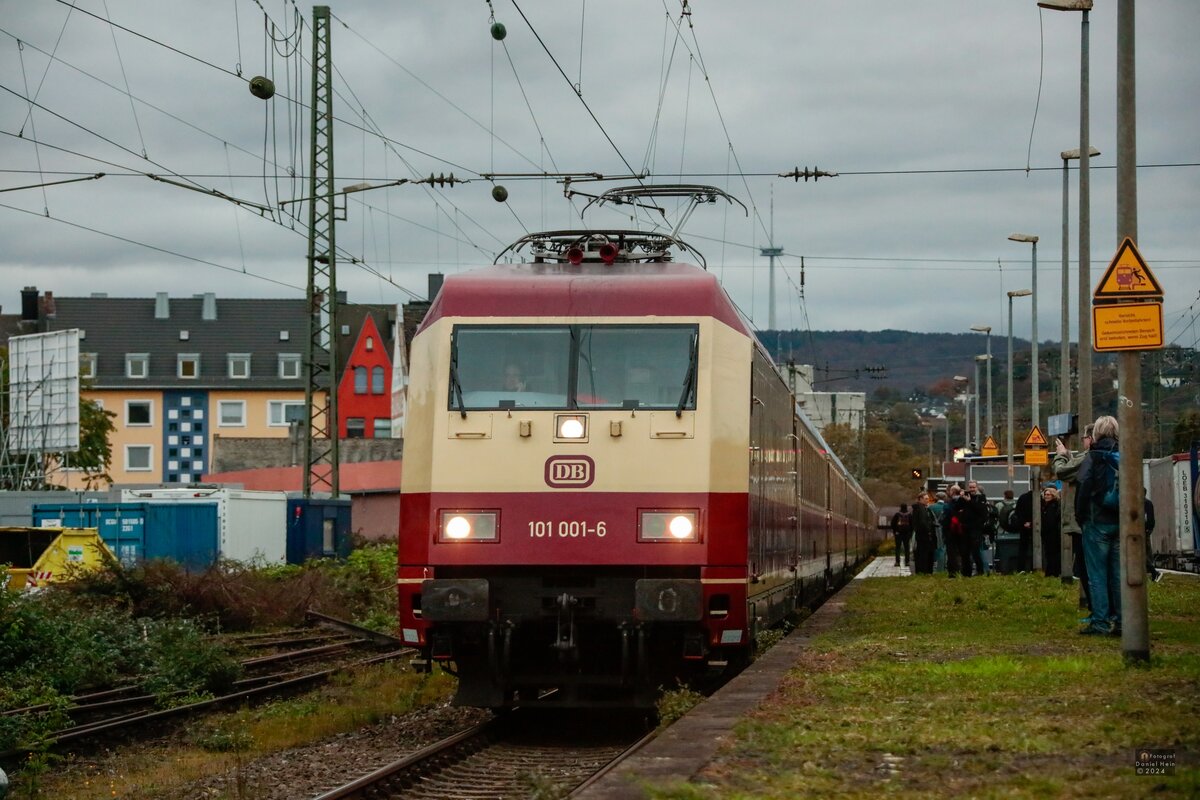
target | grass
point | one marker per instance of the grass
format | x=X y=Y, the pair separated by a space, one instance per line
x=931 y=687
x=224 y=742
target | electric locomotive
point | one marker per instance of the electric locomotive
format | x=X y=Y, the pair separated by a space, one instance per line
x=607 y=486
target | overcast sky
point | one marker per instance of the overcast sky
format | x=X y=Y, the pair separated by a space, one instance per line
x=926 y=109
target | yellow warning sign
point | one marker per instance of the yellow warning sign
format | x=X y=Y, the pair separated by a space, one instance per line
x=990 y=448
x=1037 y=456
x=1035 y=438
x=1127 y=277
x=1127 y=326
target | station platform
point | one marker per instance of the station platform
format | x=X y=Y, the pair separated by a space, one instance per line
x=685 y=748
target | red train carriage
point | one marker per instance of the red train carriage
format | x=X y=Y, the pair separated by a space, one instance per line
x=606 y=485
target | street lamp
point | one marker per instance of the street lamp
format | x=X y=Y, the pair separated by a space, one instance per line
x=1084 y=343
x=978 y=431
x=966 y=393
x=1064 y=371
x=1009 y=449
x=1033 y=372
x=988 y=330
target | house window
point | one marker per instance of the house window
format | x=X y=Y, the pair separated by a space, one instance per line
x=376 y=380
x=370 y=343
x=284 y=412
x=239 y=365
x=356 y=427
x=138 y=457
x=231 y=413
x=87 y=365
x=383 y=427
x=360 y=380
x=289 y=365
x=139 y=412
x=137 y=365
x=189 y=365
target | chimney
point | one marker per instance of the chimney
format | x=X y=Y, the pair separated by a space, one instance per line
x=435 y=285
x=51 y=309
x=162 y=306
x=208 y=306
x=29 y=303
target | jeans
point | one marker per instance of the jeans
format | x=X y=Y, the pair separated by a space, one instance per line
x=903 y=542
x=1102 y=555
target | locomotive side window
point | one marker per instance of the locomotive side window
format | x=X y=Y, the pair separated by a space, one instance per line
x=579 y=366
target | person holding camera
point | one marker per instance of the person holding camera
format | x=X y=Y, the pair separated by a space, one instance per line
x=1066 y=468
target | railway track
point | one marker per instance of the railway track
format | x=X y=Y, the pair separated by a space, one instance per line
x=127 y=708
x=522 y=753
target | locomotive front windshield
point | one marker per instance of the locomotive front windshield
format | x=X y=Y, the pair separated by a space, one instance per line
x=573 y=366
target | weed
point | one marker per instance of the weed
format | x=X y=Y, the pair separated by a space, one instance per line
x=673 y=704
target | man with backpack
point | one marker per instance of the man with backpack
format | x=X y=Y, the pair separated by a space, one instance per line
x=1097 y=509
x=902 y=528
x=954 y=533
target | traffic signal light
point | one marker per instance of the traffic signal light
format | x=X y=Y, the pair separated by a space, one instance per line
x=917 y=474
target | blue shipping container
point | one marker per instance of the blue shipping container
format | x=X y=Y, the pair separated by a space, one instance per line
x=137 y=532
x=317 y=528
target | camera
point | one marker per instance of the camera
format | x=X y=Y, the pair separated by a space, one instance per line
x=1062 y=424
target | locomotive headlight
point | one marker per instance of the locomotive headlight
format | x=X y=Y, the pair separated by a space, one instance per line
x=668 y=526
x=468 y=526
x=570 y=427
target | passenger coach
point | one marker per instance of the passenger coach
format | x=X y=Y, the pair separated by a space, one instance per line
x=606 y=485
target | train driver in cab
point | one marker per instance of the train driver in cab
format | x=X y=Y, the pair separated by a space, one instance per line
x=514 y=380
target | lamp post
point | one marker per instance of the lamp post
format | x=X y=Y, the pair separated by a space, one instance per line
x=1033 y=372
x=965 y=382
x=979 y=435
x=1064 y=371
x=1009 y=448
x=978 y=440
x=988 y=330
x=1084 y=343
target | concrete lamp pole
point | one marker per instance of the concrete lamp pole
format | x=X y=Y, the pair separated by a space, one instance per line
x=988 y=330
x=1009 y=448
x=1034 y=410
x=1064 y=371
x=1084 y=152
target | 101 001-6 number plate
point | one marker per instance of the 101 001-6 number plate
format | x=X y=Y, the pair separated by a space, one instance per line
x=567 y=529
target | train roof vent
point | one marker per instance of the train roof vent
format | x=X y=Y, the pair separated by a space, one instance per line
x=598 y=247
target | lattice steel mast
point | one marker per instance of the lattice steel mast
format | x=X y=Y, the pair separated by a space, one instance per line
x=320 y=395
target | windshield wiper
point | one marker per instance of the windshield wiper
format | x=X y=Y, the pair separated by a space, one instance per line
x=456 y=388
x=689 y=378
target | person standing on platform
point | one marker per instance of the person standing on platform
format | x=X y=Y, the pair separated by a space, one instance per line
x=902 y=528
x=954 y=533
x=1023 y=516
x=978 y=513
x=1098 y=510
x=925 y=531
x=1051 y=533
x=937 y=509
x=1066 y=468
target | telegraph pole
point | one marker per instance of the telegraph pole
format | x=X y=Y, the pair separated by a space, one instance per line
x=320 y=362
x=1135 y=622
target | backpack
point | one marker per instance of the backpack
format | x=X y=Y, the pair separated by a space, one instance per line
x=956 y=525
x=903 y=521
x=1106 y=487
x=1006 y=516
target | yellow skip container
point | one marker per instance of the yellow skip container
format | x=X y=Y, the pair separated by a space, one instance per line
x=39 y=556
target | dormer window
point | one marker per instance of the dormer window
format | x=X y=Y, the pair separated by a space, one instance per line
x=289 y=365
x=137 y=365
x=239 y=366
x=189 y=365
x=87 y=365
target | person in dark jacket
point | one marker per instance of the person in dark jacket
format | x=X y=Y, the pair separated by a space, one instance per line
x=954 y=533
x=978 y=512
x=902 y=528
x=925 y=531
x=1051 y=533
x=1023 y=516
x=1101 y=529
x=1066 y=469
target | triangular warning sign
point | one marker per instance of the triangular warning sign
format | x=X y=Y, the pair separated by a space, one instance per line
x=1035 y=438
x=1127 y=276
x=990 y=444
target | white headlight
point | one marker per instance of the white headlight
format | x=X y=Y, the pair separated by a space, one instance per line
x=668 y=526
x=571 y=427
x=458 y=528
x=468 y=526
x=681 y=527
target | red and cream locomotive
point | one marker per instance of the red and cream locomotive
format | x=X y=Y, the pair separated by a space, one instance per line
x=607 y=486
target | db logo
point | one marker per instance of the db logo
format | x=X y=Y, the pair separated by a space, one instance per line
x=575 y=472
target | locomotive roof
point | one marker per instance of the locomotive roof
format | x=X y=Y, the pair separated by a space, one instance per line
x=551 y=289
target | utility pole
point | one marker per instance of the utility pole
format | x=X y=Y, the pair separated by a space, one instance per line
x=320 y=362
x=1135 y=620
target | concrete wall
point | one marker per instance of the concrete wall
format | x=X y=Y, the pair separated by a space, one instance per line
x=230 y=454
x=376 y=516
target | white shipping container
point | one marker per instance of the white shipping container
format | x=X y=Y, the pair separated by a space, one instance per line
x=252 y=524
x=1169 y=484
